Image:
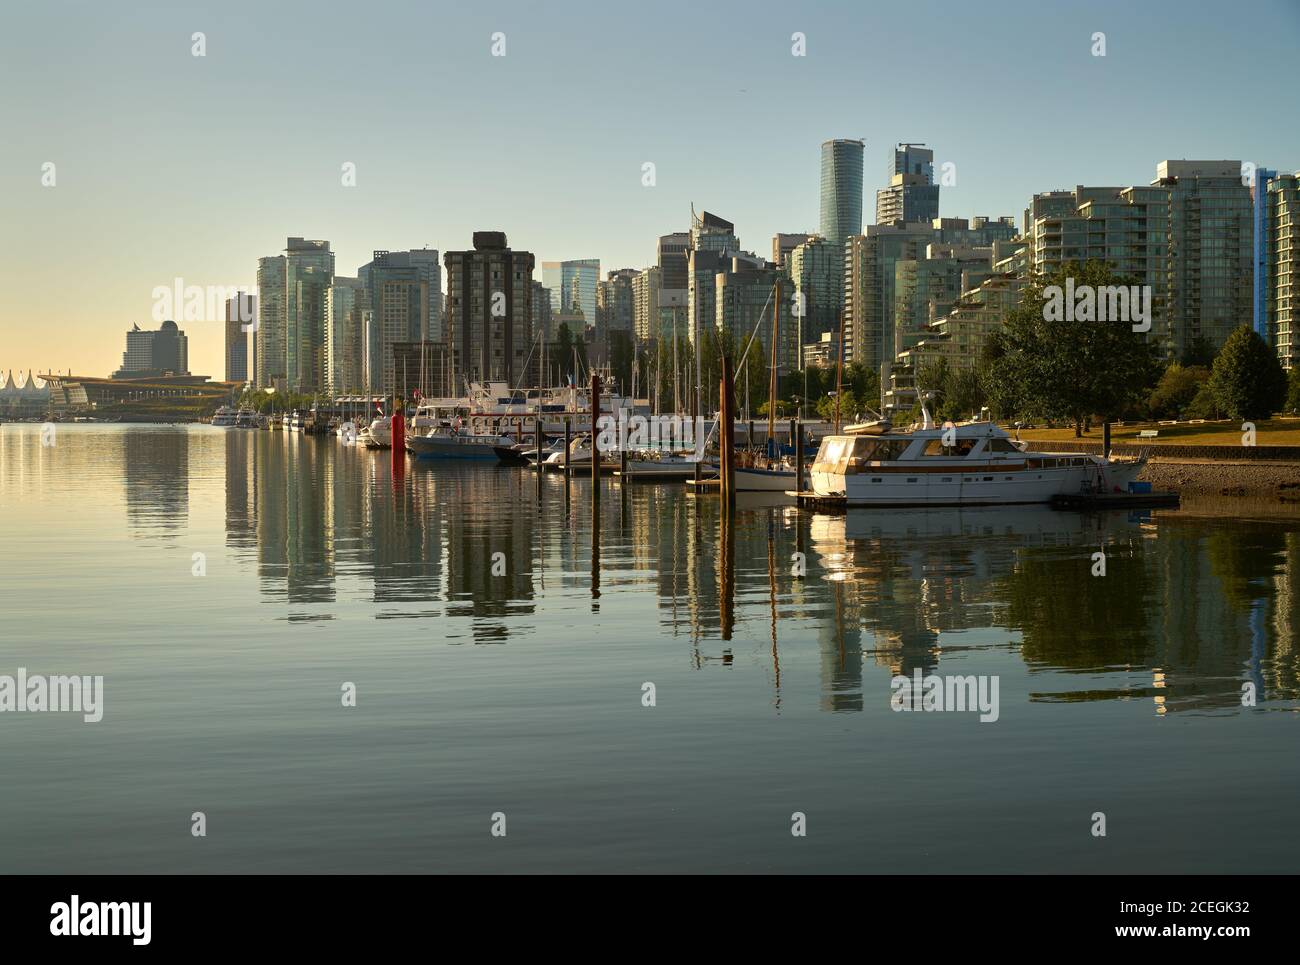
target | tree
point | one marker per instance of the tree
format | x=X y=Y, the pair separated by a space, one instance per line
x=1176 y=390
x=1293 y=391
x=1070 y=369
x=1200 y=353
x=1248 y=380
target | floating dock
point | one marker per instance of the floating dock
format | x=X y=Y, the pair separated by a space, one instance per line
x=1114 y=500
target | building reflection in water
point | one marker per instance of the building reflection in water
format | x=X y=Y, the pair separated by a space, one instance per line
x=156 y=479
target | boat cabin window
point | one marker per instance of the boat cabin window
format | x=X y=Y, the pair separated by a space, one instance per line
x=935 y=447
x=849 y=454
x=1000 y=445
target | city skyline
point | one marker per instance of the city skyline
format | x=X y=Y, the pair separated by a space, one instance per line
x=181 y=199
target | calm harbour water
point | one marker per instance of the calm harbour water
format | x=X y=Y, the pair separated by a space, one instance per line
x=522 y=692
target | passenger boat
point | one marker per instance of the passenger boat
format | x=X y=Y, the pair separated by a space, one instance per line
x=247 y=419
x=225 y=417
x=964 y=464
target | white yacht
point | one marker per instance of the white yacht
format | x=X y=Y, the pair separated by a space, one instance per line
x=962 y=464
x=247 y=419
x=225 y=417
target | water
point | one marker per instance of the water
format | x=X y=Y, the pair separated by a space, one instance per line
x=520 y=691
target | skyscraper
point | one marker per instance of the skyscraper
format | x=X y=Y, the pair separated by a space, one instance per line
x=268 y=340
x=308 y=273
x=573 y=286
x=1283 y=247
x=912 y=194
x=841 y=194
x=1211 y=245
x=344 y=347
x=240 y=312
x=489 y=309
x=1261 y=263
x=813 y=299
x=400 y=287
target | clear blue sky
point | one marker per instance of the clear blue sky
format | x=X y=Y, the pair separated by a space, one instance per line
x=170 y=165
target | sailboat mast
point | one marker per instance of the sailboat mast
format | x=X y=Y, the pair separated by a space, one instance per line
x=771 y=395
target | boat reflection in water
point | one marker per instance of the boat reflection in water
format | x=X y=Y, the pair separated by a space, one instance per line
x=1138 y=605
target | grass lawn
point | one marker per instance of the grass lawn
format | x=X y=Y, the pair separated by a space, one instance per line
x=1273 y=432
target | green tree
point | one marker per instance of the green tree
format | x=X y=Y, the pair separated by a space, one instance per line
x=1248 y=380
x=1293 y=391
x=1176 y=390
x=1205 y=405
x=1070 y=369
x=1199 y=354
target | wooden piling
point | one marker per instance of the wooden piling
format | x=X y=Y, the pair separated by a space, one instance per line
x=727 y=432
x=595 y=432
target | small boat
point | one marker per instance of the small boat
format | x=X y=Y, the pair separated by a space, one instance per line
x=296 y=421
x=451 y=442
x=774 y=479
x=377 y=435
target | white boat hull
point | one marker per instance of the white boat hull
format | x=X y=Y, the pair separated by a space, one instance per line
x=749 y=480
x=981 y=487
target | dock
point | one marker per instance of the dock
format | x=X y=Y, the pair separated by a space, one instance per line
x=812 y=500
x=1114 y=500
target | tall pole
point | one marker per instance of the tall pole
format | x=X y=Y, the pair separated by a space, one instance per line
x=727 y=417
x=771 y=395
x=839 y=374
x=595 y=431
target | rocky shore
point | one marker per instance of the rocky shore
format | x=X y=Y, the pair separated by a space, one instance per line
x=1276 y=481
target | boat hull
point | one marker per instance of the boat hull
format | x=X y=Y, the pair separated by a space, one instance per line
x=425 y=447
x=983 y=487
x=750 y=480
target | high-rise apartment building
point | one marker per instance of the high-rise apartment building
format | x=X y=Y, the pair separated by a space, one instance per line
x=816 y=289
x=400 y=288
x=1283 y=247
x=912 y=194
x=489 y=309
x=1188 y=235
x=671 y=258
x=1211 y=250
x=869 y=275
x=269 y=339
x=308 y=273
x=645 y=303
x=1260 y=264
x=345 y=300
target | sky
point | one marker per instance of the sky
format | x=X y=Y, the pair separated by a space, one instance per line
x=168 y=165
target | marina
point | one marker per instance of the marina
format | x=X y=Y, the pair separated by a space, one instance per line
x=327 y=562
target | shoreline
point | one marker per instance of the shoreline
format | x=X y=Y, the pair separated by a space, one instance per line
x=1276 y=482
